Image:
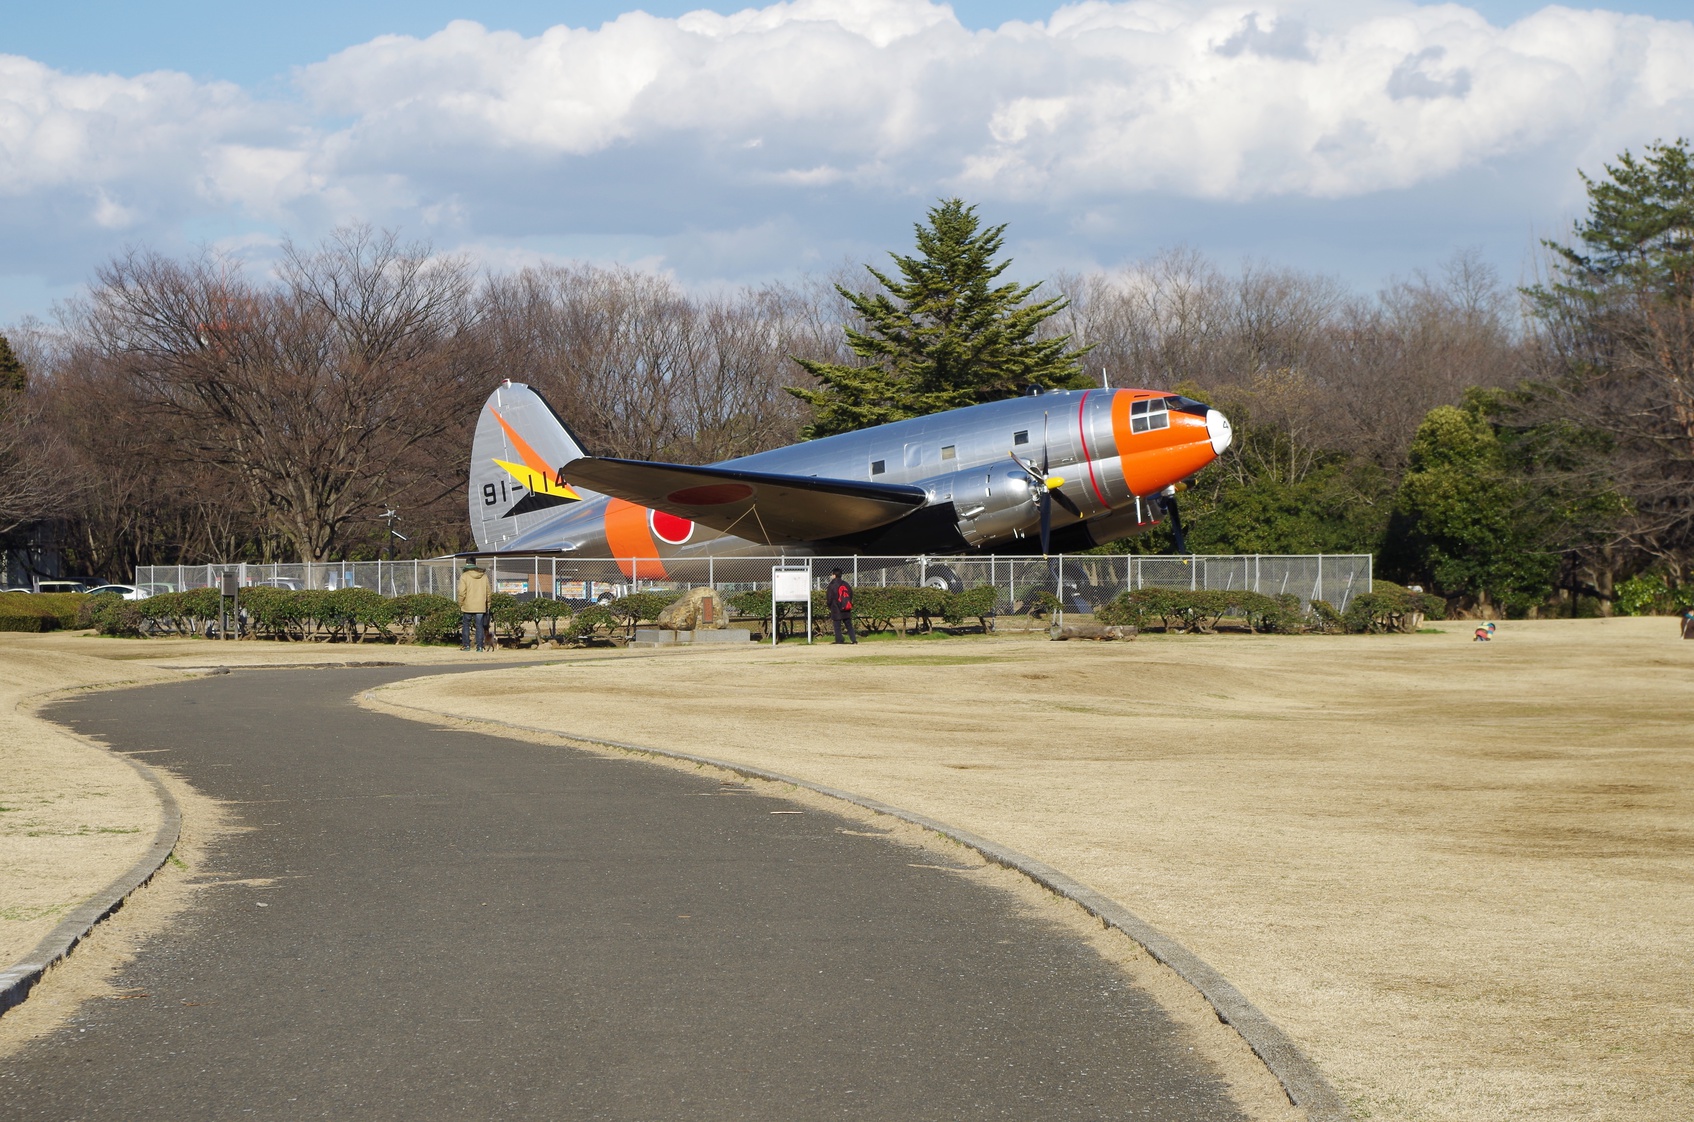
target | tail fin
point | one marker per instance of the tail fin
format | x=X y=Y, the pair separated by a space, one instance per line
x=516 y=457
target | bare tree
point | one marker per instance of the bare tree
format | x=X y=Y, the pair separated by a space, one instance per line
x=309 y=398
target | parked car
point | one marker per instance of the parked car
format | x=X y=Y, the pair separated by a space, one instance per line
x=127 y=591
x=287 y=583
x=60 y=586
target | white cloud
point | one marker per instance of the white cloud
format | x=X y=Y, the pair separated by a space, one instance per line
x=1223 y=100
x=679 y=128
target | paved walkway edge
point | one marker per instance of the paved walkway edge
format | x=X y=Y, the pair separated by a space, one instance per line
x=1301 y=1080
x=18 y=979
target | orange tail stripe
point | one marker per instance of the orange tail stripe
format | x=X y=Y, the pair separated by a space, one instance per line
x=530 y=457
x=629 y=536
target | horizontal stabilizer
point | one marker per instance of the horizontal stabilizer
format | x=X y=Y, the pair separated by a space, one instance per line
x=759 y=506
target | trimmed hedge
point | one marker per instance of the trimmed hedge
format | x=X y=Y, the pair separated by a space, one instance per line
x=19 y=612
x=1390 y=607
x=897 y=607
x=1387 y=608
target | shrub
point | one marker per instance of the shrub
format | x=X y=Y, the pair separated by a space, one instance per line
x=120 y=619
x=1389 y=607
x=897 y=605
x=62 y=606
x=411 y=610
x=1176 y=609
x=1325 y=618
x=355 y=611
x=640 y=607
x=587 y=624
x=1189 y=610
x=439 y=626
x=552 y=611
x=757 y=603
x=1650 y=594
x=88 y=612
x=19 y=612
x=170 y=612
x=976 y=603
x=509 y=616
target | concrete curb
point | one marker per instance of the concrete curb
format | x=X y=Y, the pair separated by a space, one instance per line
x=1301 y=1080
x=17 y=980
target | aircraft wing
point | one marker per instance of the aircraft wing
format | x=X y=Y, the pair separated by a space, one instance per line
x=759 y=506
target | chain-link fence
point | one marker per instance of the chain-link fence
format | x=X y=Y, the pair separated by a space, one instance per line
x=1082 y=582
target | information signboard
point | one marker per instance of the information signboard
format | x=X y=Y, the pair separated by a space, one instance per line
x=791 y=584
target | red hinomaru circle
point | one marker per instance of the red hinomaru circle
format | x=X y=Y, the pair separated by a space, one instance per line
x=670 y=529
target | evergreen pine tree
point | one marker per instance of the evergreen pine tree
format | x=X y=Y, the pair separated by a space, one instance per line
x=941 y=336
x=13 y=377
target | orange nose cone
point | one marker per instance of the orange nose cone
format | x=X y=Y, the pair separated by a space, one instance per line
x=1161 y=454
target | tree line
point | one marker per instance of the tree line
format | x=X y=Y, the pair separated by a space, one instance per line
x=1512 y=449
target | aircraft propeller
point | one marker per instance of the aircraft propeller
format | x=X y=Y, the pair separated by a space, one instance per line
x=1049 y=491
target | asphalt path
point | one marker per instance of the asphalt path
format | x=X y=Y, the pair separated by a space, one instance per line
x=435 y=923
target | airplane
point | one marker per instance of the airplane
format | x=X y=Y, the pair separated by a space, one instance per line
x=1063 y=469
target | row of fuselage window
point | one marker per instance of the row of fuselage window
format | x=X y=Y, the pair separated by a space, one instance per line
x=1145 y=415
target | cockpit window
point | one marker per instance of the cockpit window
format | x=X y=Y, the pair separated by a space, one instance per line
x=1150 y=413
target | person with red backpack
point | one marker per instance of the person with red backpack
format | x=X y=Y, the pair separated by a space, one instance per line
x=840 y=599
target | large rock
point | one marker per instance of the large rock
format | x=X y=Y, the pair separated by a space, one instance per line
x=699 y=609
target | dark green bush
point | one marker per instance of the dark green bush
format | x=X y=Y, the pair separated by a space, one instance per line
x=120 y=619
x=1190 y=610
x=20 y=612
x=88 y=612
x=642 y=607
x=439 y=626
x=587 y=624
x=510 y=616
x=1325 y=619
x=552 y=611
x=356 y=612
x=63 y=606
x=1389 y=607
x=975 y=603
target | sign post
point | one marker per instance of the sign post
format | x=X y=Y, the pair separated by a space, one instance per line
x=791 y=584
x=229 y=604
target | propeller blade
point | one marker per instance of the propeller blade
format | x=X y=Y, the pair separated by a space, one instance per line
x=1179 y=540
x=1065 y=501
x=1046 y=506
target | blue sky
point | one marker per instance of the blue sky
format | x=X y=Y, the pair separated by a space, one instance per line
x=1361 y=138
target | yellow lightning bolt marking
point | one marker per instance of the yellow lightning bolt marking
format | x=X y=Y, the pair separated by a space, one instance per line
x=539 y=483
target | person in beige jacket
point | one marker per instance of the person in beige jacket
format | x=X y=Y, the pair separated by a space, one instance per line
x=474 y=594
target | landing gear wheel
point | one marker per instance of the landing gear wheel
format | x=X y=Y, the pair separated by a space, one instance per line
x=943 y=578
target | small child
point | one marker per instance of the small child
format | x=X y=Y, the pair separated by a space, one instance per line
x=1485 y=633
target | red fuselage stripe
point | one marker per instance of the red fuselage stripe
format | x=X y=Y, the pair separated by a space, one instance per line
x=1082 y=431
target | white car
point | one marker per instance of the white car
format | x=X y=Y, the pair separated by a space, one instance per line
x=127 y=591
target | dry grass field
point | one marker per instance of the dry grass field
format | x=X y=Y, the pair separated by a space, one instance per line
x=1460 y=874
